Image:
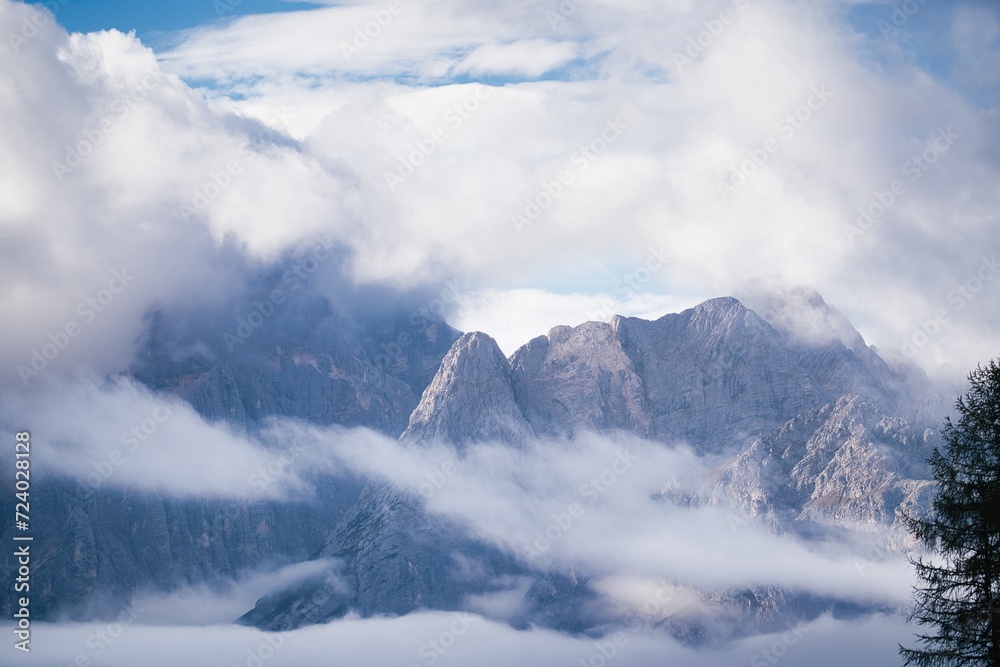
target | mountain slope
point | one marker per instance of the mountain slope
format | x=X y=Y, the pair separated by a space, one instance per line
x=306 y=361
x=470 y=398
x=809 y=423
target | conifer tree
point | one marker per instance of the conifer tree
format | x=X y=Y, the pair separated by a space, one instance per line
x=957 y=598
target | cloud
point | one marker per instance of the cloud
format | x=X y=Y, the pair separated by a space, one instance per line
x=601 y=505
x=529 y=58
x=421 y=174
x=119 y=434
x=116 y=170
x=599 y=502
x=698 y=111
x=446 y=639
x=223 y=601
x=134 y=180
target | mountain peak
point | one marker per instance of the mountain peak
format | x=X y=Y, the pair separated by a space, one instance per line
x=579 y=378
x=824 y=342
x=800 y=312
x=470 y=398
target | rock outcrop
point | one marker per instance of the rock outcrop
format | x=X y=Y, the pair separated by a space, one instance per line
x=470 y=398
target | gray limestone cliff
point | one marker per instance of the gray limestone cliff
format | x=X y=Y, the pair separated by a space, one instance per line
x=846 y=464
x=579 y=378
x=809 y=418
x=305 y=361
x=470 y=398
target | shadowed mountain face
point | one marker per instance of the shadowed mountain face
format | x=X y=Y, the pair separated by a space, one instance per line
x=816 y=428
x=306 y=361
x=811 y=427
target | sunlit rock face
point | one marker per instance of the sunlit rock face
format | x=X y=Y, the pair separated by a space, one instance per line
x=807 y=420
x=470 y=398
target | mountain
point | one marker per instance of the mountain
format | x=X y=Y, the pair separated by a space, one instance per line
x=388 y=557
x=470 y=399
x=811 y=429
x=808 y=421
x=579 y=378
x=307 y=361
x=846 y=464
x=716 y=376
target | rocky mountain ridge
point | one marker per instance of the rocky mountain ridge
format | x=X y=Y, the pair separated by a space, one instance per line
x=816 y=429
x=812 y=429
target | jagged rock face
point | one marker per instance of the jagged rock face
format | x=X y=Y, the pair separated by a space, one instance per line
x=391 y=557
x=812 y=421
x=823 y=341
x=579 y=378
x=112 y=542
x=306 y=361
x=726 y=615
x=563 y=602
x=715 y=375
x=846 y=464
x=470 y=399
x=718 y=376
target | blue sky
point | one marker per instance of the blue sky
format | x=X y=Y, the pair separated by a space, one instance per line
x=919 y=30
x=151 y=20
x=914 y=26
x=485 y=106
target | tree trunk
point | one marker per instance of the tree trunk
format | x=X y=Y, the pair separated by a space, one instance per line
x=995 y=636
